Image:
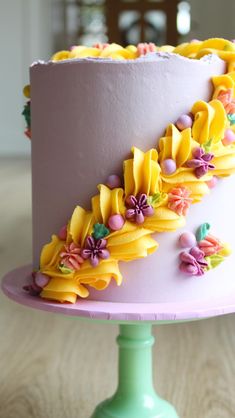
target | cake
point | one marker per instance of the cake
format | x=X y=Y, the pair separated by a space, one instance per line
x=154 y=129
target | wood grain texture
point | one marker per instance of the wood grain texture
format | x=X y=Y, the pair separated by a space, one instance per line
x=57 y=367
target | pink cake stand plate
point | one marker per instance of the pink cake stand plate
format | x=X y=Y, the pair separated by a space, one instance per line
x=135 y=396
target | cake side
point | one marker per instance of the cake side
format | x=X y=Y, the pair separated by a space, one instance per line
x=123 y=98
x=98 y=111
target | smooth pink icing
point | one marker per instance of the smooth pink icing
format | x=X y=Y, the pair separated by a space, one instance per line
x=86 y=116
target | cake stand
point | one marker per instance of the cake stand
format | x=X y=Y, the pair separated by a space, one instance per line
x=135 y=396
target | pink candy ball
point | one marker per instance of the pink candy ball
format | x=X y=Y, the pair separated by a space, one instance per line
x=63 y=233
x=229 y=137
x=184 y=121
x=116 y=222
x=212 y=183
x=41 y=280
x=187 y=240
x=168 y=166
x=113 y=181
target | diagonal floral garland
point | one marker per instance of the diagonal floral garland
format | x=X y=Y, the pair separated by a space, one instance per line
x=155 y=195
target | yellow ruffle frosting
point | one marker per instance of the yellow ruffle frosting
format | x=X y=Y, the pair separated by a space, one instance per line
x=178 y=146
x=143 y=176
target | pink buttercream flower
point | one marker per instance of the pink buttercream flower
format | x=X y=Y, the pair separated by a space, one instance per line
x=210 y=245
x=145 y=48
x=100 y=45
x=226 y=98
x=200 y=162
x=179 y=200
x=71 y=256
x=138 y=208
x=95 y=250
x=193 y=262
x=27 y=133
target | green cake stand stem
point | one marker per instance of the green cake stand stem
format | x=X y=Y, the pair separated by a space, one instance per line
x=135 y=396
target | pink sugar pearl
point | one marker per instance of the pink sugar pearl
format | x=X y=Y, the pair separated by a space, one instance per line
x=187 y=240
x=113 y=181
x=184 y=121
x=212 y=183
x=63 y=233
x=116 y=222
x=168 y=166
x=41 y=280
x=229 y=137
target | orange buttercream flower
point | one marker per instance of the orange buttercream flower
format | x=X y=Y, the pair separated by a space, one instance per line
x=71 y=257
x=226 y=98
x=145 y=48
x=179 y=200
x=210 y=245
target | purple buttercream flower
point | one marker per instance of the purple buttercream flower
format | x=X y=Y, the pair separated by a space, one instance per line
x=39 y=281
x=94 y=250
x=201 y=162
x=193 y=262
x=138 y=208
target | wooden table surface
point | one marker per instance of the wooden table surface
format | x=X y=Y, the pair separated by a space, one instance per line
x=57 y=367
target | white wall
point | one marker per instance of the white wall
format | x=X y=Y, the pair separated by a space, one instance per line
x=25 y=35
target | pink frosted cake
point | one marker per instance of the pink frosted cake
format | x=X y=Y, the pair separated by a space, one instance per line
x=154 y=129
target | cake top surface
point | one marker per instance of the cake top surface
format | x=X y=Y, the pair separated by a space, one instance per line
x=146 y=52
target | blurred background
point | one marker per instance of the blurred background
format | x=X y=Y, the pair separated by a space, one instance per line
x=34 y=29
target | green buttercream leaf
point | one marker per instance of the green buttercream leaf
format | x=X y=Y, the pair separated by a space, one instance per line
x=27 y=114
x=214 y=261
x=231 y=118
x=207 y=145
x=156 y=199
x=64 y=269
x=202 y=231
x=100 y=231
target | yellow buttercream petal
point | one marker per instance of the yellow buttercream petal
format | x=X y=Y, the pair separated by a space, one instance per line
x=58 y=288
x=107 y=203
x=50 y=253
x=84 y=52
x=176 y=145
x=223 y=83
x=76 y=224
x=60 y=56
x=105 y=270
x=142 y=173
x=87 y=226
x=210 y=121
x=164 y=220
x=128 y=177
x=117 y=201
x=139 y=248
x=138 y=162
x=61 y=297
x=151 y=173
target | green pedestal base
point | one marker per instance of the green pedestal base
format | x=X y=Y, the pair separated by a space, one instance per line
x=135 y=396
x=144 y=408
